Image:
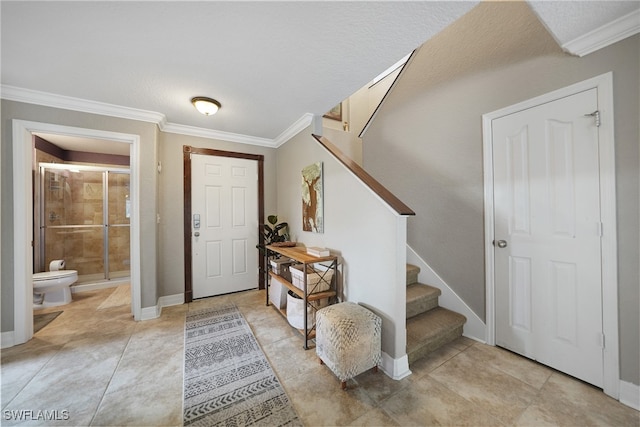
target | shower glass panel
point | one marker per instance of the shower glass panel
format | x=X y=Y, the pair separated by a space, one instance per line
x=83 y=220
x=82 y=248
x=119 y=221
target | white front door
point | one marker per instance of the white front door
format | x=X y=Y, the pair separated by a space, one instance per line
x=224 y=206
x=548 y=285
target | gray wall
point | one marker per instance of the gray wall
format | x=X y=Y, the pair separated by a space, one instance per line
x=426 y=142
x=171 y=235
x=372 y=277
x=148 y=191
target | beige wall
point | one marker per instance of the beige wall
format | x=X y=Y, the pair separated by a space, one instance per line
x=357 y=110
x=426 y=142
x=171 y=235
x=358 y=227
x=148 y=191
x=162 y=255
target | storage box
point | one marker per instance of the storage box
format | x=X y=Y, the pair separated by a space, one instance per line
x=277 y=293
x=318 y=280
x=295 y=312
x=280 y=267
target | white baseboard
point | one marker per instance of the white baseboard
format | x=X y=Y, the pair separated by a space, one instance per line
x=630 y=395
x=148 y=313
x=397 y=369
x=7 y=340
x=475 y=328
x=155 y=311
x=169 y=300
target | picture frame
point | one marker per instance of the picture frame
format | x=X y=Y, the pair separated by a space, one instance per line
x=335 y=113
x=313 y=198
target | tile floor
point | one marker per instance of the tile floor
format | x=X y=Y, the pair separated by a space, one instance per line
x=95 y=366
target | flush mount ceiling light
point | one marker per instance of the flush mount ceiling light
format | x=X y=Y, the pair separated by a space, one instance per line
x=206 y=106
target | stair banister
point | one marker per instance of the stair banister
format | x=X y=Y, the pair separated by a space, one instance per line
x=387 y=196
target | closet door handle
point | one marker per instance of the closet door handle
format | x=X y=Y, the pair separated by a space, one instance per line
x=500 y=243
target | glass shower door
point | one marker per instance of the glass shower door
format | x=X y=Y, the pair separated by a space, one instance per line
x=118 y=260
x=85 y=220
x=72 y=220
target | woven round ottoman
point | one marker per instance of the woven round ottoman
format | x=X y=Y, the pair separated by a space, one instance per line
x=348 y=339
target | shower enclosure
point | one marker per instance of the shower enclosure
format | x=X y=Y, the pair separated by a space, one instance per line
x=84 y=219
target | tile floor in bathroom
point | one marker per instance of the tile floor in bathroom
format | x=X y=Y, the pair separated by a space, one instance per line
x=96 y=366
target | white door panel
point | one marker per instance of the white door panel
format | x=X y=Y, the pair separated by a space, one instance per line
x=547 y=210
x=225 y=195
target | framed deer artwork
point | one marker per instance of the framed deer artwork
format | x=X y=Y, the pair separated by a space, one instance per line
x=312 y=198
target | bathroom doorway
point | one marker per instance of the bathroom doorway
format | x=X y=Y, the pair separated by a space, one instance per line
x=23 y=148
x=84 y=217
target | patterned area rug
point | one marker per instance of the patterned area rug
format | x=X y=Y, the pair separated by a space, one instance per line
x=227 y=378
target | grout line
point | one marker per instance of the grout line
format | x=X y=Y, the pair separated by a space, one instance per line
x=104 y=393
x=44 y=365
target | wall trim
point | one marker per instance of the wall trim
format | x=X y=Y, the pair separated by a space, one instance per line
x=148 y=313
x=396 y=369
x=474 y=327
x=604 y=84
x=153 y=312
x=29 y=96
x=216 y=134
x=169 y=300
x=608 y=34
x=296 y=127
x=630 y=395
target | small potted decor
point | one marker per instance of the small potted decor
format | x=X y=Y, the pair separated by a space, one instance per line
x=274 y=232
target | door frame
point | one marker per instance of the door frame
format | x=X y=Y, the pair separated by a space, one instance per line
x=22 y=144
x=186 y=153
x=609 y=255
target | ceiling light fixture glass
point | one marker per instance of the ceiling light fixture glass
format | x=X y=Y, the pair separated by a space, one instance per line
x=206 y=106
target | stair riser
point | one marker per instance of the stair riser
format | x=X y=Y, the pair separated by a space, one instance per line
x=433 y=344
x=421 y=305
x=412 y=276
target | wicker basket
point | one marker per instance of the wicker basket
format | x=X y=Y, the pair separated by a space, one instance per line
x=317 y=279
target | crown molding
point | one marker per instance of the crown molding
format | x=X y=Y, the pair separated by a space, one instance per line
x=621 y=28
x=29 y=96
x=216 y=134
x=298 y=126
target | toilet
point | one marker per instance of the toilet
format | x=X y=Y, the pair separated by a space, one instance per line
x=52 y=288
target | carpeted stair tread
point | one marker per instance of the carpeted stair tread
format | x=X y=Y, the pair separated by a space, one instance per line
x=412 y=274
x=421 y=298
x=428 y=331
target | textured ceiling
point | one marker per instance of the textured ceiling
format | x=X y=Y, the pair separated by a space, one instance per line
x=568 y=20
x=268 y=63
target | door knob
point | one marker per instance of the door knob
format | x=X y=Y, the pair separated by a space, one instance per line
x=500 y=243
x=197 y=233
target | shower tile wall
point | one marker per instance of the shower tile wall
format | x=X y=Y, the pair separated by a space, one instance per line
x=77 y=199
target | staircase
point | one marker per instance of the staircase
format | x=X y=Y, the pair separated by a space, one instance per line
x=429 y=326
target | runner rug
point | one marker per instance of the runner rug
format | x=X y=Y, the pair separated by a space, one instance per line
x=227 y=378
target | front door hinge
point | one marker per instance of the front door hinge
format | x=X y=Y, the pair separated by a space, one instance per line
x=596 y=115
